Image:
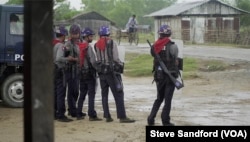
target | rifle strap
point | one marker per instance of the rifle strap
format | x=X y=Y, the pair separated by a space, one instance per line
x=110 y=51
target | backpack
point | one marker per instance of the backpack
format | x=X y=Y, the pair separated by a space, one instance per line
x=169 y=60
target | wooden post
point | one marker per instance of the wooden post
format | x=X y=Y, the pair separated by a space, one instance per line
x=38 y=71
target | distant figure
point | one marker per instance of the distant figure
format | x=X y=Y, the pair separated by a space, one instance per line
x=14 y=29
x=131 y=26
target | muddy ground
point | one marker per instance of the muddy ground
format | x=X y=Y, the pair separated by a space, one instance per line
x=214 y=98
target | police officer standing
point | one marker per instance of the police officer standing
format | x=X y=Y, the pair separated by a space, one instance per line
x=87 y=76
x=168 y=52
x=61 y=32
x=72 y=68
x=64 y=57
x=109 y=68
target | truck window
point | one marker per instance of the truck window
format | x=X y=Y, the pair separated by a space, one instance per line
x=16 y=24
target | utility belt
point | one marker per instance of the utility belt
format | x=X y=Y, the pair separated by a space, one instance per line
x=70 y=66
x=87 y=72
x=161 y=75
x=105 y=68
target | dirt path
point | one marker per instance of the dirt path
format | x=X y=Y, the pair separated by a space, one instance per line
x=215 y=98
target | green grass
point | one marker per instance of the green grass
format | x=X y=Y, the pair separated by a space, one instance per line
x=138 y=65
x=190 y=68
x=212 y=65
x=141 y=65
x=144 y=36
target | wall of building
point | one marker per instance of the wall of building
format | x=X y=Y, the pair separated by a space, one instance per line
x=201 y=29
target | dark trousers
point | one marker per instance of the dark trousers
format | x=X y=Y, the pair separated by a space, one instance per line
x=73 y=92
x=87 y=86
x=55 y=98
x=107 y=81
x=165 y=91
x=60 y=94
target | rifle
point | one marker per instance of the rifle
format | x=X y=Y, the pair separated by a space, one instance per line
x=177 y=83
x=118 y=83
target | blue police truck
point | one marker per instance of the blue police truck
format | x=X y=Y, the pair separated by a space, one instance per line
x=11 y=55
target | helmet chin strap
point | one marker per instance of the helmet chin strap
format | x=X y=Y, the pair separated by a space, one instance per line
x=89 y=40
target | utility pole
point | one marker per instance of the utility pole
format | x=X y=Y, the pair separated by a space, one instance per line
x=38 y=71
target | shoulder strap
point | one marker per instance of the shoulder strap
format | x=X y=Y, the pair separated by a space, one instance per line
x=110 y=49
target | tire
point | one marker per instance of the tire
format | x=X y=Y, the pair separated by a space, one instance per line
x=119 y=40
x=136 y=39
x=130 y=38
x=118 y=37
x=13 y=91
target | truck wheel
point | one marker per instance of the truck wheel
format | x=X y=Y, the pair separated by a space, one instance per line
x=13 y=90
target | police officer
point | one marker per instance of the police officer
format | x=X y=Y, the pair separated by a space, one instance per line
x=108 y=59
x=60 y=32
x=72 y=68
x=60 y=61
x=87 y=76
x=168 y=52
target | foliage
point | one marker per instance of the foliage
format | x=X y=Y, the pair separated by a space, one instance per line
x=245 y=5
x=119 y=11
x=21 y=1
x=63 y=13
x=15 y=2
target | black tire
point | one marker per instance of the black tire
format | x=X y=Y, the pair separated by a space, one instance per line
x=13 y=91
x=118 y=37
x=119 y=40
x=130 y=38
x=136 y=39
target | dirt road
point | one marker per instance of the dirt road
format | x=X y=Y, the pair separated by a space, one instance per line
x=215 y=98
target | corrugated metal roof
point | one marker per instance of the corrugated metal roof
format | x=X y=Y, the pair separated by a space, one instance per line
x=176 y=9
x=180 y=8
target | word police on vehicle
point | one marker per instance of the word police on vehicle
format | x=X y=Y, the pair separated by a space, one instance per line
x=19 y=57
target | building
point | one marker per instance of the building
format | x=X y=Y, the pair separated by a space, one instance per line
x=200 y=21
x=90 y=19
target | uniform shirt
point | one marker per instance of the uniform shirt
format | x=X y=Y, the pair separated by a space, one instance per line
x=174 y=50
x=90 y=54
x=60 y=60
x=102 y=56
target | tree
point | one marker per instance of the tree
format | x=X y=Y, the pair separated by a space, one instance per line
x=63 y=12
x=21 y=1
x=120 y=10
x=14 y=2
x=245 y=5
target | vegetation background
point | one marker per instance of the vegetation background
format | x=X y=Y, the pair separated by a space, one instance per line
x=120 y=10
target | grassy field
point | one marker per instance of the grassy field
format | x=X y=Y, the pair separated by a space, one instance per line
x=139 y=65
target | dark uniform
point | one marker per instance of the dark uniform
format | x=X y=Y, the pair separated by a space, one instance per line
x=109 y=68
x=168 y=52
x=58 y=43
x=66 y=58
x=87 y=76
x=72 y=75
